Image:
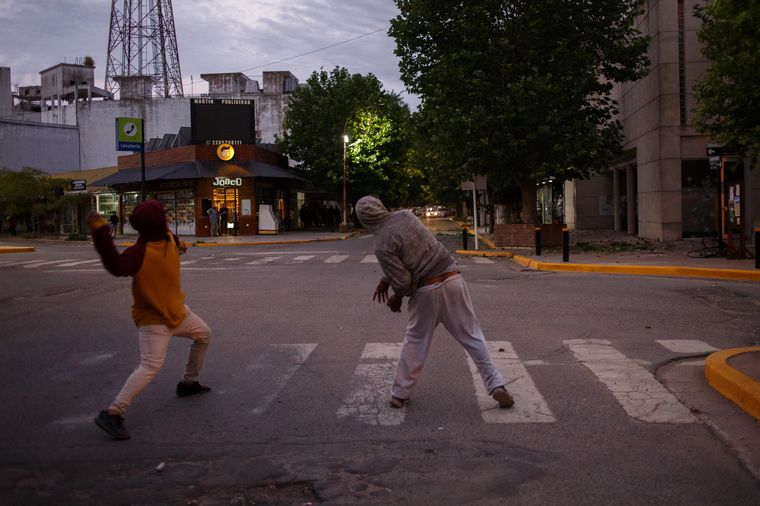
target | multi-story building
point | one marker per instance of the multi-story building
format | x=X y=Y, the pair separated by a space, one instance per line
x=664 y=187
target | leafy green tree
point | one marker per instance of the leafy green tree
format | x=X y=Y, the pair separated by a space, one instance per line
x=518 y=91
x=32 y=195
x=338 y=103
x=728 y=97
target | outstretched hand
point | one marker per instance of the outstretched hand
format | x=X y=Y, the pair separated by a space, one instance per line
x=394 y=302
x=381 y=292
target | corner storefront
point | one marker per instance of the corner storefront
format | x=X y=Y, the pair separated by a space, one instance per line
x=241 y=181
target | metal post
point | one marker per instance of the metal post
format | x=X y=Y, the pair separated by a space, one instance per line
x=464 y=238
x=565 y=245
x=757 y=248
x=142 y=160
x=537 y=240
x=475 y=212
x=345 y=210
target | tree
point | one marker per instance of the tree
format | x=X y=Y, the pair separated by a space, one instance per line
x=728 y=97
x=518 y=91
x=32 y=195
x=339 y=103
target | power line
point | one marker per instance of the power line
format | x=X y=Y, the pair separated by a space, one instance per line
x=311 y=52
x=316 y=50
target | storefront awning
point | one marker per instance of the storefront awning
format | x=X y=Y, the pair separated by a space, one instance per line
x=206 y=169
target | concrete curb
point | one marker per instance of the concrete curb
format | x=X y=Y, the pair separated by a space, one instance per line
x=16 y=249
x=641 y=270
x=732 y=383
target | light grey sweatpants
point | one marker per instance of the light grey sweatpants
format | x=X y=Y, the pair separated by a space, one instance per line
x=448 y=303
x=154 y=342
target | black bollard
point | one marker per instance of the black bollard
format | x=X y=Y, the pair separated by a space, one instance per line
x=757 y=248
x=464 y=238
x=565 y=245
x=537 y=231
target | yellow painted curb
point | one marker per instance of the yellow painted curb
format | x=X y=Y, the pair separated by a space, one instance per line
x=651 y=270
x=16 y=249
x=732 y=383
x=479 y=253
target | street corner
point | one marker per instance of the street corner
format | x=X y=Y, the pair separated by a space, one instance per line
x=735 y=374
x=16 y=249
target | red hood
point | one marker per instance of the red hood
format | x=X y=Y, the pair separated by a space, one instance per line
x=149 y=219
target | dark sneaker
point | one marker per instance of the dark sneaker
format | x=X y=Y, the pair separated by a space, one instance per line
x=112 y=424
x=397 y=403
x=185 y=389
x=501 y=396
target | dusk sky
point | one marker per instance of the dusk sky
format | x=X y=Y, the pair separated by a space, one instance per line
x=213 y=36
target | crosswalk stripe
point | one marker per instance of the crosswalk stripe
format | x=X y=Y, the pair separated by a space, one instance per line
x=367 y=401
x=264 y=260
x=49 y=262
x=189 y=262
x=335 y=259
x=369 y=259
x=301 y=259
x=637 y=391
x=482 y=260
x=530 y=406
x=273 y=368
x=686 y=345
x=14 y=264
x=80 y=262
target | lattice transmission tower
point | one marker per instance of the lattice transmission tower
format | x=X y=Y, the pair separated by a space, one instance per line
x=142 y=42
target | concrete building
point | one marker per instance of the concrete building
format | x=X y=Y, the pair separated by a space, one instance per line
x=67 y=97
x=663 y=188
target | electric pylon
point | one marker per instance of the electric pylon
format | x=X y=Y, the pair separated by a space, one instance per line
x=142 y=42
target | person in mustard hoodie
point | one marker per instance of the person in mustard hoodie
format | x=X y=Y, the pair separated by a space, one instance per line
x=158 y=306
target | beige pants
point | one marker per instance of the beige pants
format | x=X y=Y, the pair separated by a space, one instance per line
x=448 y=303
x=154 y=341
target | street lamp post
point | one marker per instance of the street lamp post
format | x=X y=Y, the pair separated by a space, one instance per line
x=345 y=208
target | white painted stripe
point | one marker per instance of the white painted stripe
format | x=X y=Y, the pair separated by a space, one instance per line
x=637 y=391
x=301 y=259
x=482 y=260
x=22 y=263
x=3 y=262
x=530 y=406
x=368 y=236
x=49 y=262
x=367 y=401
x=369 y=259
x=264 y=260
x=273 y=368
x=233 y=259
x=80 y=262
x=686 y=345
x=335 y=259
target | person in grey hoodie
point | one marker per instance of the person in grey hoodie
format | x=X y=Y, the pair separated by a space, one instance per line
x=416 y=265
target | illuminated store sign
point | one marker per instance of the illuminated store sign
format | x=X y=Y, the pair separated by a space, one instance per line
x=225 y=152
x=225 y=181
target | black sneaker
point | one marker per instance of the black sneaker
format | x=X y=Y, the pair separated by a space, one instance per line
x=185 y=389
x=501 y=396
x=397 y=402
x=113 y=425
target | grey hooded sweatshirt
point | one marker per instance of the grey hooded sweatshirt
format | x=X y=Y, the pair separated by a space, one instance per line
x=406 y=250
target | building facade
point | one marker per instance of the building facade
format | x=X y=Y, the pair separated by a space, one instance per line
x=664 y=187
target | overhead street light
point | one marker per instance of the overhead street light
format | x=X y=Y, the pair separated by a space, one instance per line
x=345 y=169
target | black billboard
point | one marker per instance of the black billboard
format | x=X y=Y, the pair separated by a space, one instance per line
x=222 y=121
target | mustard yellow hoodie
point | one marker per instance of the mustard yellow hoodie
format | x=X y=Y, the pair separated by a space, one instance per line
x=153 y=263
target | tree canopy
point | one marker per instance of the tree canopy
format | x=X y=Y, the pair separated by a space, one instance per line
x=515 y=90
x=339 y=103
x=728 y=97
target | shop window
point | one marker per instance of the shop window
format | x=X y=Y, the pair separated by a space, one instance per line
x=700 y=199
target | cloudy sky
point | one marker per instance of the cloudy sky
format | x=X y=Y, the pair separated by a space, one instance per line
x=213 y=36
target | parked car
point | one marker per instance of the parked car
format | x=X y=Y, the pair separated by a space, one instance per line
x=435 y=211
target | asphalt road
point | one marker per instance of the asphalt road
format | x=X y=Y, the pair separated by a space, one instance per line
x=301 y=365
